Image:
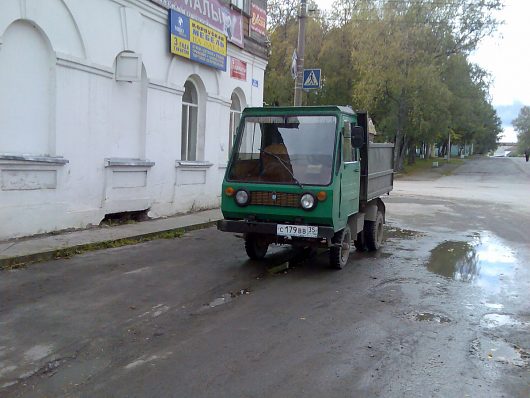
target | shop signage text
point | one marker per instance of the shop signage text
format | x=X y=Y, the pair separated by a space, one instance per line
x=195 y=41
x=212 y=13
x=258 y=22
x=238 y=69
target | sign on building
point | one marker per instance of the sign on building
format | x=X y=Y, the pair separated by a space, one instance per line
x=197 y=42
x=212 y=13
x=311 y=79
x=258 y=21
x=238 y=69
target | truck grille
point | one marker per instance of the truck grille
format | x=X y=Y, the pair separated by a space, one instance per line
x=282 y=199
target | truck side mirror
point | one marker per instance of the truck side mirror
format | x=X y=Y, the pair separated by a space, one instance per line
x=357 y=136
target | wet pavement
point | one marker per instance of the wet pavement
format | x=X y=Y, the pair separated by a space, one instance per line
x=442 y=310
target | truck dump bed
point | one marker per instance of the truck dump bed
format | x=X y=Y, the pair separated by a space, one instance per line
x=380 y=176
x=377 y=165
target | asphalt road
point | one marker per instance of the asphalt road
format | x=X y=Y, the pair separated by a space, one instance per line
x=443 y=310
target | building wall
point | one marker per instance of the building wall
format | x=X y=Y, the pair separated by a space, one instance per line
x=75 y=144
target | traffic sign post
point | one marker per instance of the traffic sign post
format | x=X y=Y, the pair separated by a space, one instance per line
x=311 y=79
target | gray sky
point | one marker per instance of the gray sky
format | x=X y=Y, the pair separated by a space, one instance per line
x=506 y=56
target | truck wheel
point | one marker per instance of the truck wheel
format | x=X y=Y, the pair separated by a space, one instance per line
x=373 y=232
x=338 y=255
x=360 y=243
x=255 y=247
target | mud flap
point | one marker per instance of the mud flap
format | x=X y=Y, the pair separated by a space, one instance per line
x=356 y=223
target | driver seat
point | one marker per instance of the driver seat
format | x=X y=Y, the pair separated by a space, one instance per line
x=272 y=170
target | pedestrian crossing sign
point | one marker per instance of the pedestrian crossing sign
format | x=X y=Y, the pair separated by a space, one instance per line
x=311 y=79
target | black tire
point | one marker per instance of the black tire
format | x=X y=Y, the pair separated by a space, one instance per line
x=255 y=247
x=360 y=243
x=338 y=255
x=373 y=232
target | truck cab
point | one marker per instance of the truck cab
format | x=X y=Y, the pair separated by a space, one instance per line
x=300 y=176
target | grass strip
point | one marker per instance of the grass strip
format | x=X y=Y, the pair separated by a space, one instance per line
x=68 y=252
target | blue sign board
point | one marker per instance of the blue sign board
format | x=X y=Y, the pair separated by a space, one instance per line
x=255 y=83
x=311 y=79
x=197 y=42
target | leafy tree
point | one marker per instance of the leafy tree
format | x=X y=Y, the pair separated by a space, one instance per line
x=279 y=84
x=405 y=61
x=522 y=126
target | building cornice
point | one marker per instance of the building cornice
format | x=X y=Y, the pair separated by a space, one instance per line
x=70 y=62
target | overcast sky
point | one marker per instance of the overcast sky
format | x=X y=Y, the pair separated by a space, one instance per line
x=506 y=56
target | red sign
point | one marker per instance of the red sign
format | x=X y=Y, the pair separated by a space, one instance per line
x=238 y=69
x=258 y=22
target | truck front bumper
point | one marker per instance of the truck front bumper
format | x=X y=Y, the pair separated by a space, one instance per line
x=267 y=228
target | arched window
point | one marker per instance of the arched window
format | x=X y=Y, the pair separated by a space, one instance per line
x=235 y=117
x=190 y=108
x=26 y=91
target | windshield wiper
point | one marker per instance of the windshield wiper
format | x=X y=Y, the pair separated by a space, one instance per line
x=284 y=165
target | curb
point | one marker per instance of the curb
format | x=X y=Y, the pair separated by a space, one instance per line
x=67 y=252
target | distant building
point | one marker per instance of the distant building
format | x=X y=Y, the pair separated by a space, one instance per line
x=97 y=115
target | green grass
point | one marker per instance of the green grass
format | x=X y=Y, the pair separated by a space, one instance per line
x=65 y=253
x=72 y=251
x=420 y=165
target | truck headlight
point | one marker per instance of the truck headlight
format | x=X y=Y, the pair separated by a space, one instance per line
x=242 y=197
x=307 y=201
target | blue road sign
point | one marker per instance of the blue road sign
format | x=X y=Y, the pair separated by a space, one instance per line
x=311 y=79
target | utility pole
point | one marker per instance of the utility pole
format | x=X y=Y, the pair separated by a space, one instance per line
x=300 y=50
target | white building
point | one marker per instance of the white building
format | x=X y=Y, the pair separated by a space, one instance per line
x=98 y=117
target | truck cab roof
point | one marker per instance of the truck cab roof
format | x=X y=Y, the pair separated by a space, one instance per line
x=296 y=110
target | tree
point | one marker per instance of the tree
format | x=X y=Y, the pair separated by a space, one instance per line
x=278 y=81
x=522 y=126
x=405 y=62
x=400 y=52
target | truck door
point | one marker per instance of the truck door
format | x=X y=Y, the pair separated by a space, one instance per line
x=350 y=175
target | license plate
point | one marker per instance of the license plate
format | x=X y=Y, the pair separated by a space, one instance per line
x=302 y=231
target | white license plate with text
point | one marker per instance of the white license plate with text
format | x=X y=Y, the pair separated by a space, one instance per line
x=303 y=231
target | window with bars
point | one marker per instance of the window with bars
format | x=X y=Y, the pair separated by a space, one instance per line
x=190 y=110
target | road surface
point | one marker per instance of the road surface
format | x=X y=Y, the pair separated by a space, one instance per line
x=442 y=311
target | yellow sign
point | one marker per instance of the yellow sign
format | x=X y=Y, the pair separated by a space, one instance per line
x=207 y=37
x=180 y=46
x=195 y=41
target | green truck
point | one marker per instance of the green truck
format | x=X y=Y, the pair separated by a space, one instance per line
x=306 y=176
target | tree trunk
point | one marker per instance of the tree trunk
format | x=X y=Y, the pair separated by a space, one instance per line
x=412 y=152
x=399 y=145
x=443 y=150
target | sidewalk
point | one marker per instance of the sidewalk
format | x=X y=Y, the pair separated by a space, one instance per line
x=17 y=252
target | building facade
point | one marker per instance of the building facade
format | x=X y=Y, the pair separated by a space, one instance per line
x=97 y=116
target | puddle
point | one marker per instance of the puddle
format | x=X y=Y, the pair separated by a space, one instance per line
x=226 y=298
x=392 y=232
x=484 y=261
x=430 y=317
x=500 y=351
x=37 y=352
x=427 y=316
x=494 y=306
x=491 y=321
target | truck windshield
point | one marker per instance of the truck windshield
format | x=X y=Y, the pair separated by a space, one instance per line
x=285 y=150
